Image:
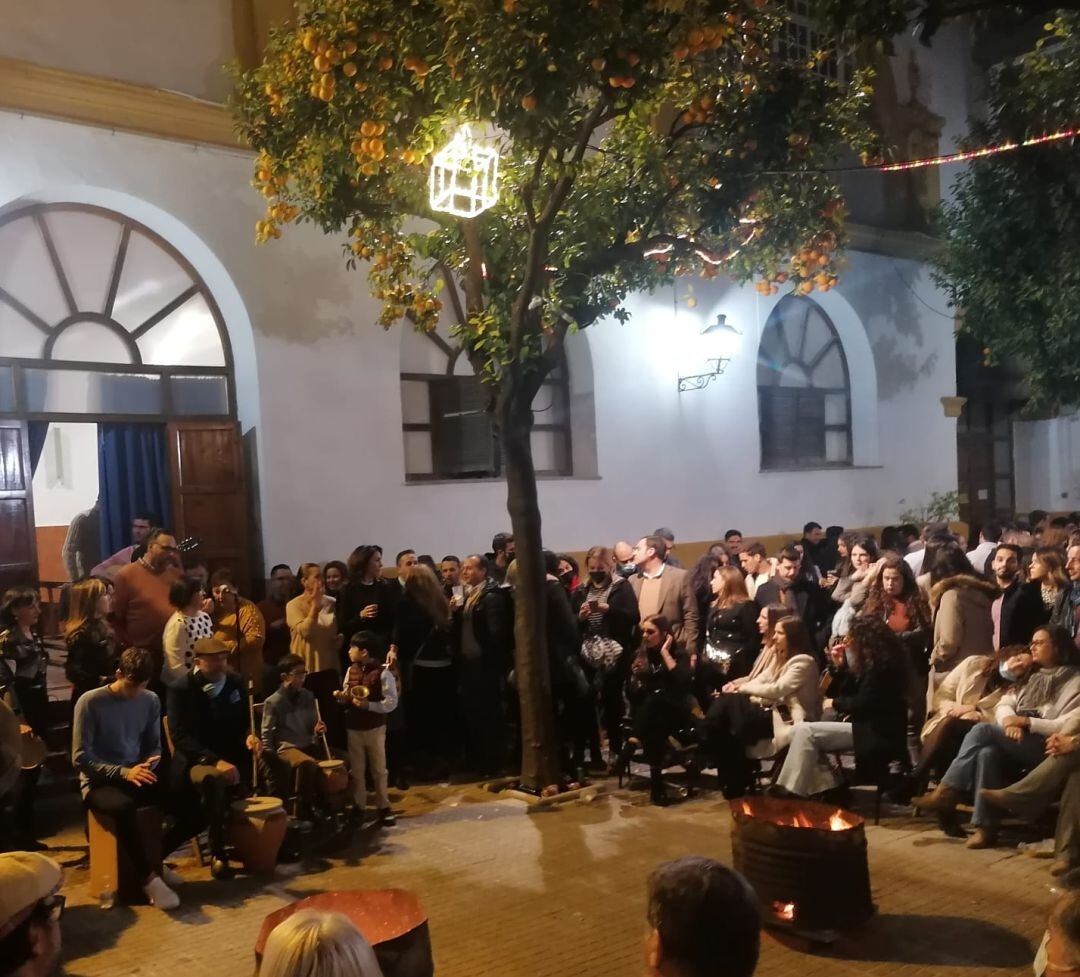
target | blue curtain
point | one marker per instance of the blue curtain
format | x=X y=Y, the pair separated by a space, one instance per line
x=37 y=430
x=133 y=476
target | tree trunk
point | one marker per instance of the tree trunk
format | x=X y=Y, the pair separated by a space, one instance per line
x=539 y=745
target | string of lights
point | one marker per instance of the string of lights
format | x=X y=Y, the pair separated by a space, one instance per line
x=1005 y=147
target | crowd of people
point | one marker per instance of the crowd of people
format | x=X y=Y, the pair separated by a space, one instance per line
x=927 y=662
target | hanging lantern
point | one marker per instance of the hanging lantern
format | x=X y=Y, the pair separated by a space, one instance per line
x=464 y=176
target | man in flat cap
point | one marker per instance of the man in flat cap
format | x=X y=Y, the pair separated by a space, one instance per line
x=30 y=910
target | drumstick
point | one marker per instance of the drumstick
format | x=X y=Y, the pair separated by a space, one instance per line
x=254 y=757
x=326 y=746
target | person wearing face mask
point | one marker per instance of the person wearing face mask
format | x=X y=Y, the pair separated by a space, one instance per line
x=967 y=695
x=869 y=692
x=569 y=573
x=212 y=740
x=624 y=559
x=993 y=754
x=1059 y=953
x=1019 y=610
x=764 y=710
x=607 y=614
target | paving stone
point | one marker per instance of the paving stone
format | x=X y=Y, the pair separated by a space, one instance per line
x=516 y=891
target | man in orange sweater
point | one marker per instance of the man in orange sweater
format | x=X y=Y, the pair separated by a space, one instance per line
x=140 y=601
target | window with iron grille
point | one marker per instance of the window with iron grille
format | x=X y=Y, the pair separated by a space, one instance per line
x=801 y=38
x=804 y=393
x=448 y=430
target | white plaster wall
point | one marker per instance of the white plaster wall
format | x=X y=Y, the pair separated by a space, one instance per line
x=1047 y=458
x=179 y=45
x=66 y=480
x=318 y=381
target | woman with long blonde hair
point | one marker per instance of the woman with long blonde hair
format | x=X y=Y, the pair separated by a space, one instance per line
x=91 y=647
x=311 y=943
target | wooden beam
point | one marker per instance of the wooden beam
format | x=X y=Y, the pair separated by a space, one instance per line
x=110 y=104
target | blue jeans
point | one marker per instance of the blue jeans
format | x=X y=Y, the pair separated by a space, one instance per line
x=989 y=759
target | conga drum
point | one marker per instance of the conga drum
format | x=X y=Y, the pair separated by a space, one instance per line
x=34 y=751
x=257 y=828
x=334 y=777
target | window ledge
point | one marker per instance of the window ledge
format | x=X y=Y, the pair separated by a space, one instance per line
x=409 y=483
x=819 y=468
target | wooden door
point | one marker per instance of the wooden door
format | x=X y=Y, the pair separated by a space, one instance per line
x=985 y=463
x=18 y=550
x=209 y=494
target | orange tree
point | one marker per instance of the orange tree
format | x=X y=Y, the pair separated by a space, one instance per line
x=638 y=140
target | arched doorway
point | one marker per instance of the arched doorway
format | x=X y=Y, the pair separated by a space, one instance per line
x=103 y=322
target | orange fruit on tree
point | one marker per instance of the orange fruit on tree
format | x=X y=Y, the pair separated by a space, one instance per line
x=598 y=64
x=528 y=103
x=386 y=63
x=348 y=69
x=367 y=128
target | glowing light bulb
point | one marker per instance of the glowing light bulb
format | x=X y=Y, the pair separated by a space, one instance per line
x=464 y=176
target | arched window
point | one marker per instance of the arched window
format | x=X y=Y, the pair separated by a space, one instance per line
x=446 y=427
x=804 y=394
x=99 y=316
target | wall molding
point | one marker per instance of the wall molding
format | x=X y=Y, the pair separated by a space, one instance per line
x=112 y=104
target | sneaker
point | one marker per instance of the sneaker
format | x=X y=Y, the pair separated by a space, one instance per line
x=160 y=895
x=170 y=877
x=386 y=818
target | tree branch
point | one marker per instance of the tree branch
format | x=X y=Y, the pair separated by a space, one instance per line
x=474 y=273
x=455 y=298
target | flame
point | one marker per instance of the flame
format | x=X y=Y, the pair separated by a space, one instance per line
x=837 y=821
x=784 y=911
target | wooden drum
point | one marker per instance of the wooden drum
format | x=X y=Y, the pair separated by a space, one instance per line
x=335 y=778
x=257 y=829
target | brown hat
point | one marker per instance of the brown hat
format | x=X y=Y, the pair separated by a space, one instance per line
x=25 y=879
x=210 y=646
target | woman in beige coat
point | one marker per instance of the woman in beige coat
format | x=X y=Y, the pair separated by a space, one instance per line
x=756 y=721
x=966 y=696
x=960 y=603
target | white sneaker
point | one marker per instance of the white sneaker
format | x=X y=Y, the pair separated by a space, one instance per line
x=170 y=877
x=160 y=894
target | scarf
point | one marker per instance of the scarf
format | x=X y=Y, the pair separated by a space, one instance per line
x=1043 y=688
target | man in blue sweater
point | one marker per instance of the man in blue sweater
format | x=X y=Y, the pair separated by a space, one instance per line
x=116 y=748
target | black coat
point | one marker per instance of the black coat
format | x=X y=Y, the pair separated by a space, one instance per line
x=492 y=621
x=355 y=596
x=206 y=730
x=1022 y=611
x=875 y=702
x=91 y=657
x=807 y=596
x=622 y=615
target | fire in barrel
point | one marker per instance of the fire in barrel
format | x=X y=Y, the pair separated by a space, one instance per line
x=806 y=862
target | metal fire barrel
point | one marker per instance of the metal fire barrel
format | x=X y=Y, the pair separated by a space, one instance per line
x=806 y=874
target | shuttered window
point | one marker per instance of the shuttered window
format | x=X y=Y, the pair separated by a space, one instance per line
x=804 y=395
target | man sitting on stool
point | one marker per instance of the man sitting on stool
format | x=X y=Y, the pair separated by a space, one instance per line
x=290 y=731
x=116 y=745
x=209 y=720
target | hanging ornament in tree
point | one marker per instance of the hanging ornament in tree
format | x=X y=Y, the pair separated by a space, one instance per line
x=464 y=176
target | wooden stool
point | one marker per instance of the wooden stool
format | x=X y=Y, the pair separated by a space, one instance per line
x=111 y=870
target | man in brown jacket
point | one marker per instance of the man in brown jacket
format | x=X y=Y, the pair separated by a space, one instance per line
x=663 y=589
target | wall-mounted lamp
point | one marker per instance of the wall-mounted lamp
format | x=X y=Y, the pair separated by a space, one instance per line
x=698 y=381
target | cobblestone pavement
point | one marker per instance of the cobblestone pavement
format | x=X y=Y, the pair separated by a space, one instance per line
x=516 y=891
